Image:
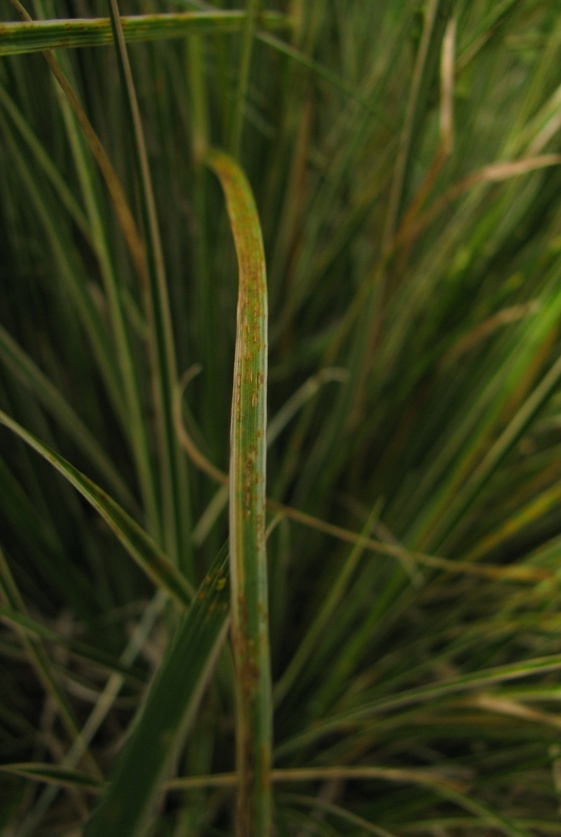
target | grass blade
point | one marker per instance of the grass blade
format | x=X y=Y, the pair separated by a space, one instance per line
x=243 y=78
x=436 y=19
x=249 y=607
x=22 y=366
x=18 y=38
x=137 y=543
x=173 y=484
x=428 y=694
x=53 y=775
x=168 y=708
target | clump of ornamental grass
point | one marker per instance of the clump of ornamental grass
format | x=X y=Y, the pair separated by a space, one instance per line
x=281 y=437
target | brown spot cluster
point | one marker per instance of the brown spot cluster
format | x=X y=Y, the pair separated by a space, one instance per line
x=248 y=475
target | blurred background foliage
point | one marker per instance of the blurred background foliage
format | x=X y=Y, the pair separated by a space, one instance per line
x=404 y=158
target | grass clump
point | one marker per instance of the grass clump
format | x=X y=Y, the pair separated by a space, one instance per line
x=391 y=589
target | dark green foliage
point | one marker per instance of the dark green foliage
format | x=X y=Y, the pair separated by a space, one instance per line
x=404 y=161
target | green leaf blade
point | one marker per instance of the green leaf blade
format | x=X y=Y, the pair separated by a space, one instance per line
x=135 y=540
x=167 y=709
x=250 y=635
x=73 y=33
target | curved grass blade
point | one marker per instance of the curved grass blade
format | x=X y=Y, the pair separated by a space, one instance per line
x=135 y=540
x=18 y=38
x=248 y=559
x=168 y=708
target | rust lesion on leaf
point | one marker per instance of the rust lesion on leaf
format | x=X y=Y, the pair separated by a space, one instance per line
x=247 y=492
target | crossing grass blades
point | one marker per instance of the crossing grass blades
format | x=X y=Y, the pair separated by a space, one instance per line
x=345 y=620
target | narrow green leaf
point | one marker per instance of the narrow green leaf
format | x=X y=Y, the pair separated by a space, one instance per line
x=497 y=452
x=247 y=508
x=52 y=775
x=46 y=164
x=173 y=485
x=69 y=274
x=23 y=367
x=436 y=17
x=428 y=694
x=135 y=540
x=169 y=707
x=243 y=75
x=17 y=38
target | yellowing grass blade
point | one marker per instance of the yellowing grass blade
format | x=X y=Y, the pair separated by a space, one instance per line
x=248 y=567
